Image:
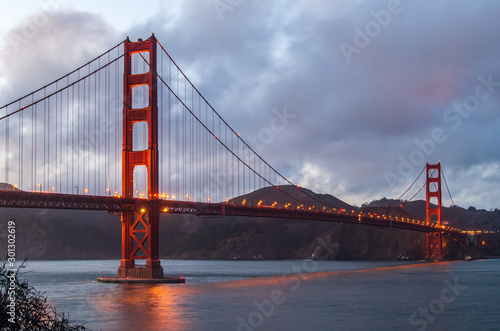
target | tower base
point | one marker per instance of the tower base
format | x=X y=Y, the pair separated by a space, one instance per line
x=165 y=280
x=141 y=272
x=141 y=275
x=434 y=257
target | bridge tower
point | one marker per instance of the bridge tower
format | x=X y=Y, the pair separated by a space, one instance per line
x=433 y=214
x=140 y=228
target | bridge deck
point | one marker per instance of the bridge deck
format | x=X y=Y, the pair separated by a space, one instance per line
x=21 y=199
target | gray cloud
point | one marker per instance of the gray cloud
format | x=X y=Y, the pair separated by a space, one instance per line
x=41 y=50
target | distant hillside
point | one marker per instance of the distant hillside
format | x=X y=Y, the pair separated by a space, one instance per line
x=56 y=234
x=63 y=234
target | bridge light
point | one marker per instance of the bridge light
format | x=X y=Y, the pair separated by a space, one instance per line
x=143 y=210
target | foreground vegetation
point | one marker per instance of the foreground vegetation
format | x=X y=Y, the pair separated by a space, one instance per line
x=22 y=307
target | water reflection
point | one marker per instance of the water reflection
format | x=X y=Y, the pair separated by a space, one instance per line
x=288 y=277
x=142 y=307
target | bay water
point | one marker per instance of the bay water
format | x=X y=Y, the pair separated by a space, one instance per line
x=278 y=295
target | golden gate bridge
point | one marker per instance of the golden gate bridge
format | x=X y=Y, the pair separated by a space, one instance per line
x=61 y=148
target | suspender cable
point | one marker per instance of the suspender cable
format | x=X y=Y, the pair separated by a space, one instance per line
x=33 y=145
x=21 y=148
x=96 y=137
x=451 y=198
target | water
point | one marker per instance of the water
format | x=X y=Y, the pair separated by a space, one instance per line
x=279 y=295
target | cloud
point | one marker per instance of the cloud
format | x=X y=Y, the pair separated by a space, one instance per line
x=47 y=45
x=354 y=121
x=41 y=49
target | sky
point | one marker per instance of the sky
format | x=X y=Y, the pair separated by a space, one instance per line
x=366 y=92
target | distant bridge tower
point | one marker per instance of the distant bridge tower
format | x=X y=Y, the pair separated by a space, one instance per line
x=433 y=213
x=140 y=228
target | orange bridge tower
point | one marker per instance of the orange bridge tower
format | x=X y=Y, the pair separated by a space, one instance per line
x=433 y=211
x=140 y=228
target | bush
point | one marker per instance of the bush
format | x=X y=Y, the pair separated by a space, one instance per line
x=31 y=310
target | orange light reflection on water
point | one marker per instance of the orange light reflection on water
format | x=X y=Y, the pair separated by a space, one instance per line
x=143 y=306
x=286 y=278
